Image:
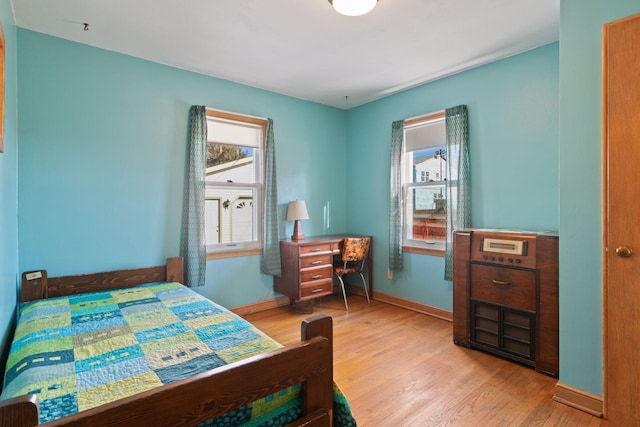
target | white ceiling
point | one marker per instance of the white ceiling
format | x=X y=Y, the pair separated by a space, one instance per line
x=303 y=48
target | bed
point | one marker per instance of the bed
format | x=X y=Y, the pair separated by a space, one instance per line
x=135 y=347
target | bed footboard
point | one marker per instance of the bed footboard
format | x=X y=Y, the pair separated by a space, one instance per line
x=19 y=411
x=193 y=400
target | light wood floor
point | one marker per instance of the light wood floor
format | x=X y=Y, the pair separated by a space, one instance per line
x=401 y=368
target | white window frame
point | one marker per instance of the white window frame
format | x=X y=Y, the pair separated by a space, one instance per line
x=417 y=245
x=254 y=246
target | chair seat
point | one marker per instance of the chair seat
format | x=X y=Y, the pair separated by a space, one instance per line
x=340 y=271
x=353 y=256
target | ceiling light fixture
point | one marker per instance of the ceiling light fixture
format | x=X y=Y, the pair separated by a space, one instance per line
x=353 y=7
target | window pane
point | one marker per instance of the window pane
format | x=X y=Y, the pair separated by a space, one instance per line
x=230 y=163
x=230 y=217
x=426 y=213
x=428 y=165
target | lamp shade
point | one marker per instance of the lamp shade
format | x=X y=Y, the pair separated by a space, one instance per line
x=297 y=210
x=353 y=7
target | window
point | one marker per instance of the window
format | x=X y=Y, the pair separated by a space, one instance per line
x=234 y=184
x=424 y=166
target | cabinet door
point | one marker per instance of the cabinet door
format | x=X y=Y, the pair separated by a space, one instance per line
x=505 y=286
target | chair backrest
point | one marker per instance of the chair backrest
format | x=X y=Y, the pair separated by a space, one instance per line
x=355 y=248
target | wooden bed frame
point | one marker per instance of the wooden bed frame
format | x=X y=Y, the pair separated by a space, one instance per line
x=192 y=400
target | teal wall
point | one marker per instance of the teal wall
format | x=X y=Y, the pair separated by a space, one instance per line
x=102 y=154
x=513 y=131
x=580 y=159
x=8 y=184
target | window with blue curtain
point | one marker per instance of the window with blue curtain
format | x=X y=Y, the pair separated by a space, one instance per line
x=430 y=191
x=230 y=202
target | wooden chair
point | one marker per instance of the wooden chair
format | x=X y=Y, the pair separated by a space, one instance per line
x=354 y=257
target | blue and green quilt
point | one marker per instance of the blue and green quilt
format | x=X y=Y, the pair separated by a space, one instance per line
x=78 y=352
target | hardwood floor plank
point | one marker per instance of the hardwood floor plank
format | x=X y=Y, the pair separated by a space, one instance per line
x=401 y=368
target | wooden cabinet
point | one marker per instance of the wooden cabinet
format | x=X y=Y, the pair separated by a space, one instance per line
x=307 y=268
x=505 y=295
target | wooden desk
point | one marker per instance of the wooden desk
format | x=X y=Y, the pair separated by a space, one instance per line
x=307 y=266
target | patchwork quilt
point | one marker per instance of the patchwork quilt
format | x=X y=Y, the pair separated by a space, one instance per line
x=78 y=352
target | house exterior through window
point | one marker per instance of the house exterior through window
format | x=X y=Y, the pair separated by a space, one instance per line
x=424 y=166
x=234 y=184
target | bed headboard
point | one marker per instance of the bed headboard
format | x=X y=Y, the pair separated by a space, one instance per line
x=36 y=285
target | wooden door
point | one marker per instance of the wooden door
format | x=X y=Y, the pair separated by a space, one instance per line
x=621 y=269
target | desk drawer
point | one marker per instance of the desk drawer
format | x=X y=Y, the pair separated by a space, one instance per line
x=315 y=261
x=505 y=286
x=314 y=274
x=318 y=248
x=316 y=288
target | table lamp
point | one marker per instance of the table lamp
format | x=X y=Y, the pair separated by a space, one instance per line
x=296 y=211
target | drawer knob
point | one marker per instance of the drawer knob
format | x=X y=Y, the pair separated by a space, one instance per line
x=317 y=276
x=316 y=262
x=499 y=282
x=624 y=251
x=315 y=291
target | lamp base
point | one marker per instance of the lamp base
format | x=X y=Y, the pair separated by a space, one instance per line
x=297 y=231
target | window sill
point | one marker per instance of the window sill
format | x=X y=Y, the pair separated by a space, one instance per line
x=234 y=253
x=423 y=251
